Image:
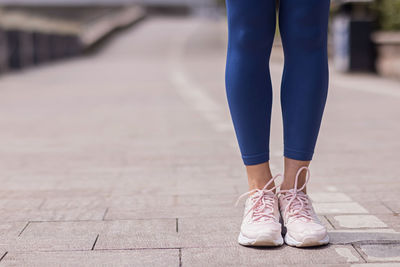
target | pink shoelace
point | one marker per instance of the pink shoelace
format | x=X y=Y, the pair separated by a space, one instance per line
x=263 y=202
x=298 y=206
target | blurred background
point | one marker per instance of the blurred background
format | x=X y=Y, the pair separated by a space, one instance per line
x=364 y=34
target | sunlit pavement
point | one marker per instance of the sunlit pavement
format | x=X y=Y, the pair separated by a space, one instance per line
x=128 y=157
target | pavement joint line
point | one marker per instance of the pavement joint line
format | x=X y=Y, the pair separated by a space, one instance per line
x=329 y=221
x=196 y=97
x=23 y=229
x=105 y=213
x=95 y=241
x=143 y=248
x=346 y=252
x=389 y=208
x=359 y=253
x=41 y=204
x=180 y=257
x=2 y=257
x=47 y=250
x=377 y=242
x=113 y=220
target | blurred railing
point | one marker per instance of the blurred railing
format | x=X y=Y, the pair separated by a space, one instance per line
x=32 y=35
x=110 y=2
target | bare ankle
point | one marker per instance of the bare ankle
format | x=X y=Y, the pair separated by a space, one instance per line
x=259 y=175
x=291 y=168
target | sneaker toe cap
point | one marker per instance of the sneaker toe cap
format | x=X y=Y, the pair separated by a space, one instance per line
x=254 y=230
x=308 y=231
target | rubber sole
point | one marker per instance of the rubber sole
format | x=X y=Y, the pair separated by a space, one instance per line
x=261 y=241
x=307 y=242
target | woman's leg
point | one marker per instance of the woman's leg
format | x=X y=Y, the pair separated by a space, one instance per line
x=248 y=84
x=249 y=92
x=303 y=26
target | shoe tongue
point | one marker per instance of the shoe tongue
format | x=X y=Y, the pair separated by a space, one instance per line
x=257 y=195
x=294 y=191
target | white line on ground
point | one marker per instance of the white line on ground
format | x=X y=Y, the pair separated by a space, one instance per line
x=196 y=96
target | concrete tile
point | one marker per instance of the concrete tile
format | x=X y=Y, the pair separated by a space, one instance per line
x=172 y=212
x=325 y=221
x=318 y=197
x=392 y=220
x=172 y=206
x=364 y=235
x=11 y=229
x=394 y=205
x=209 y=232
x=375 y=207
x=50 y=236
x=381 y=252
x=54 y=215
x=152 y=233
x=339 y=208
x=146 y=257
x=68 y=203
x=243 y=256
x=148 y=201
x=386 y=264
x=20 y=204
x=179 y=186
x=9 y=232
x=53 y=193
x=357 y=221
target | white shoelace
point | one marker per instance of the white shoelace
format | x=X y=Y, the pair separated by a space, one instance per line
x=298 y=206
x=263 y=201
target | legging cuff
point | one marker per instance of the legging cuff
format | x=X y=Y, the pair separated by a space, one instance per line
x=298 y=155
x=255 y=159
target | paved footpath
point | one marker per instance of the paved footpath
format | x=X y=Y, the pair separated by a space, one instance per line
x=128 y=157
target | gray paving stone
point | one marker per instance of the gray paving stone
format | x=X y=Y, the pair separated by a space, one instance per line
x=386 y=264
x=185 y=185
x=172 y=206
x=339 y=208
x=209 y=232
x=392 y=220
x=50 y=236
x=381 y=252
x=172 y=212
x=54 y=214
x=393 y=205
x=147 y=257
x=242 y=256
x=67 y=203
x=11 y=228
x=325 y=221
x=9 y=232
x=329 y=197
x=154 y=233
x=168 y=200
x=357 y=221
x=364 y=235
x=20 y=204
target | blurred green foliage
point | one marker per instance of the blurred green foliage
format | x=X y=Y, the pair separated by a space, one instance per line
x=388 y=12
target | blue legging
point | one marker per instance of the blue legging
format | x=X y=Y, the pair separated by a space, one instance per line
x=303 y=28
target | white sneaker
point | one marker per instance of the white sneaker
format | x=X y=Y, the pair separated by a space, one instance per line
x=303 y=228
x=260 y=225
